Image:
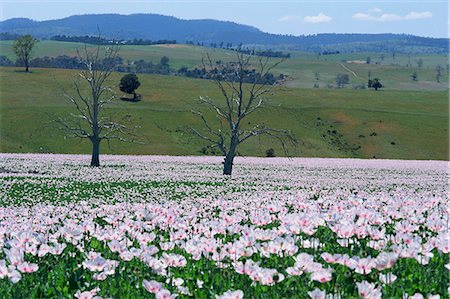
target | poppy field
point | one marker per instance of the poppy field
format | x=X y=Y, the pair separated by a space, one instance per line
x=174 y=227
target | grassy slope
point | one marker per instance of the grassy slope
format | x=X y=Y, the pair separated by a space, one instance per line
x=416 y=121
x=301 y=67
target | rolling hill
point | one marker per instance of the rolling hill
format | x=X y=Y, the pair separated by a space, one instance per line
x=302 y=67
x=327 y=122
x=155 y=27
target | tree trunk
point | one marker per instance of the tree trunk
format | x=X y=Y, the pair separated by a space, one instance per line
x=228 y=161
x=134 y=95
x=228 y=164
x=95 y=160
x=26 y=66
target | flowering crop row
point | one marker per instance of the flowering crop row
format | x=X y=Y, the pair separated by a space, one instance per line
x=169 y=227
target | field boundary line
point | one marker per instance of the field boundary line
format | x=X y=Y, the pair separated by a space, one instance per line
x=353 y=73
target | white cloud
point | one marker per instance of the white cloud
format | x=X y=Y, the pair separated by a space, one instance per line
x=362 y=16
x=418 y=15
x=393 y=17
x=375 y=9
x=289 y=18
x=320 y=18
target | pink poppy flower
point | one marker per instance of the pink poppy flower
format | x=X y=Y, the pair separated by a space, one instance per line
x=165 y=294
x=367 y=290
x=87 y=294
x=26 y=267
x=152 y=286
x=317 y=294
x=321 y=276
x=238 y=294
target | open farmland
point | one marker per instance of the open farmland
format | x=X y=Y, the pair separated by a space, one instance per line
x=174 y=226
x=394 y=71
x=396 y=124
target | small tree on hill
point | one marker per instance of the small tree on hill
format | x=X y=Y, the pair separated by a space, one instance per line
x=342 y=80
x=164 y=62
x=317 y=76
x=23 y=47
x=438 y=73
x=129 y=83
x=419 y=63
x=375 y=83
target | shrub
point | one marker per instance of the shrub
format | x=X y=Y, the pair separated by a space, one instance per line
x=270 y=153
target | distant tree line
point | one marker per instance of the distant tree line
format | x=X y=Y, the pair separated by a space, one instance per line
x=87 y=39
x=60 y=62
x=67 y=62
x=227 y=72
x=329 y=52
x=9 y=36
x=239 y=48
x=5 y=61
x=95 y=40
x=264 y=53
x=147 y=67
x=149 y=42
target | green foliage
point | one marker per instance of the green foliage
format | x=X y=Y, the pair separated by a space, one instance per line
x=129 y=83
x=270 y=152
x=300 y=68
x=164 y=61
x=342 y=80
x=22 y=47
x=376 y=83
x=62 y=276
x=418 y=121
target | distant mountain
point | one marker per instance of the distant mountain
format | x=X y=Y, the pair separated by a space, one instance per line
x=157 y=27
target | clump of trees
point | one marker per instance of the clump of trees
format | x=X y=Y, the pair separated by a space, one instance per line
x=374 y=83
x=23 y=47
x=228 y=70
x=9 y=36
x=162 y=68
x=61 y=62
x=129 y=83
x=342 y=80
x=239 y=100
x=329 y=52
x=5 y=61
x=67 y=62
x=265 y=53
x=88 y=39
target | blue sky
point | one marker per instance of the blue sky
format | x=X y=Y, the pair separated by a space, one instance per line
x=425 y=18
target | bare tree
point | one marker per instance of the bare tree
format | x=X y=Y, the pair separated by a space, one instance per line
x=243 y=89
x=91 y=97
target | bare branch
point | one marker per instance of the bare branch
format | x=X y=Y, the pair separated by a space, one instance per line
x=74 y=129
x=243 y=92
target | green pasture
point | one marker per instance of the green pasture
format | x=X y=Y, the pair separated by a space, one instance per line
x=394 y=72
x=326 y=122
